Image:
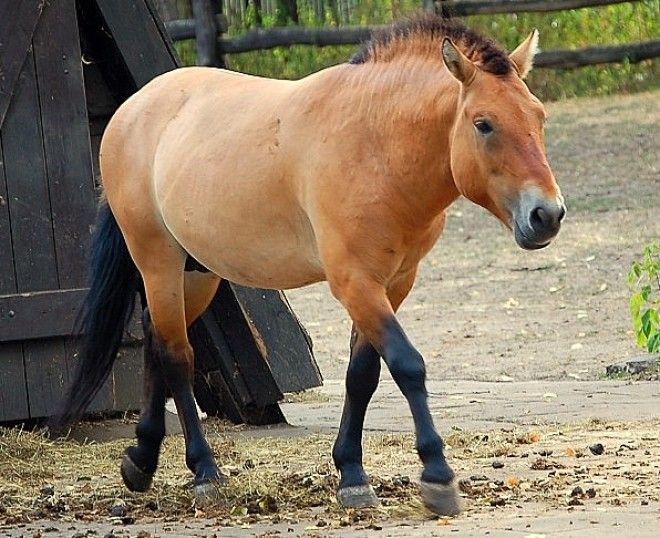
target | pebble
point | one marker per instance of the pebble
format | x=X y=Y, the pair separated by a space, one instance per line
x=497 y=464
x=597 y=449
x=47 y=491
x=118 y=510
x=577 y=491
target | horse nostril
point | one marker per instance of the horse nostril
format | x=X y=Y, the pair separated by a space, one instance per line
x=562 y=212
x=538 y=218
x=542 y=219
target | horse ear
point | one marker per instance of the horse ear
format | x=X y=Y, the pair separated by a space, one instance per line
x=458 y=64
x=523 y=56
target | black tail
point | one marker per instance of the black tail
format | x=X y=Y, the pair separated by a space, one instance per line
x=113 y=284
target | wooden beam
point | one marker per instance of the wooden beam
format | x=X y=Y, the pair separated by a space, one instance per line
x=463 y=8
x=182 y=29
x=139 y=41
x=571 y=58
x=555 y=59
x=206 y=33
x=280 y=337
x=42 y=314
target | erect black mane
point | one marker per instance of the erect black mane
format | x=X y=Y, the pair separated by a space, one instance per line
x=486 y=53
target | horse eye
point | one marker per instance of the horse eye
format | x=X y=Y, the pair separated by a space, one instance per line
x=483 y=127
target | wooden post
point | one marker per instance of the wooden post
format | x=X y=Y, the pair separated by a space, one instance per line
x=206 y=33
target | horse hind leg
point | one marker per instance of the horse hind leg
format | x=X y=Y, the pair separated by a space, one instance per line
x=140 y=462
x=161 y=262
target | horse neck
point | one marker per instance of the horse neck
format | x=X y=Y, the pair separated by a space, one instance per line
x=409 y=110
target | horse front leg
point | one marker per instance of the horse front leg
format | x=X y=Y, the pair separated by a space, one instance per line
x=371 y=310
x=362 y=377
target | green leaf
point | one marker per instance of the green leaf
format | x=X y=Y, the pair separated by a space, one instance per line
x=653 y=343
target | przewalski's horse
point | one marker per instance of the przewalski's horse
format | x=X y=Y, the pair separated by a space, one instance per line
x=342 y=176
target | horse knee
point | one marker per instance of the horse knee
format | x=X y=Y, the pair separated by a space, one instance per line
x=408 y=371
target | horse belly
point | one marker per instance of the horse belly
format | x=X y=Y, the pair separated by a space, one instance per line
x=251 y=245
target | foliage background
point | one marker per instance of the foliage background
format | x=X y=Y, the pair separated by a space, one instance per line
x=605 y=25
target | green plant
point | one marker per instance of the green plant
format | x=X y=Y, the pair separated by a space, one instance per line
x=644 y=281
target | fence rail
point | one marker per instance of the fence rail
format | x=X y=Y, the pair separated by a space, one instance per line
x=206 y=23
x=464 y=8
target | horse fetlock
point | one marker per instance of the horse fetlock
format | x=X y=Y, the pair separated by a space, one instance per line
x=437 y=470
x=352 y=475
x=149 y=434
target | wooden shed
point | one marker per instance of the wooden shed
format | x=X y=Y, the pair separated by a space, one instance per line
x=65 y=66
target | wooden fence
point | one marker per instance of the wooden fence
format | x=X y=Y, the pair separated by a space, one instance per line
x=208 y=28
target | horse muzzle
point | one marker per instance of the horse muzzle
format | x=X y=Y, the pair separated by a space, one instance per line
x=536 y=221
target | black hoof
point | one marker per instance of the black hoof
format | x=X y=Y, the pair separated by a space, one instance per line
x=362 y=496
x=441 y=499
x=208 y=493
x=134 y=477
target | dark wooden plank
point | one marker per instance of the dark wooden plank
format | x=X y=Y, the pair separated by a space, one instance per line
x=17 y=23
x=7 y=273
x=41 y=314
x=65 y=137
x=284 y=343
x=164 y=34
x=252 y=365
x=27 y=188
x=13 y=390
x=46 y=375
x=132 y=26
x=212 y=353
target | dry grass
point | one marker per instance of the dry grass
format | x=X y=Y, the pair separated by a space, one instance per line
x=276 y=479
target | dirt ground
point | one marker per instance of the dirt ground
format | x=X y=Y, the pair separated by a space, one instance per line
x=516 y=346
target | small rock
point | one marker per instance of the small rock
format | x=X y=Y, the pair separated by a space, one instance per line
x=497 y=464
x=151 y=505
x=577 y=491
x=118 y=510
x=597 y=449
x=545 y=452
x=575 y=502
x=47 y=491
x=645 y=502
x=498 y=502
x=591 y=493
x=128 y=520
